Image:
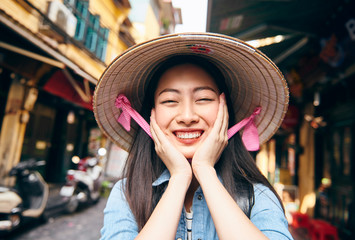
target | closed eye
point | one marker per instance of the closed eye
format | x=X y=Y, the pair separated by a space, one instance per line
x=205 y=100
x=168 y=102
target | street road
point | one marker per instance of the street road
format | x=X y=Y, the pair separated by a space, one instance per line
x=82 y=225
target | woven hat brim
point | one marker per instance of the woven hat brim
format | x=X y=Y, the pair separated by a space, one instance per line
x=253 y=80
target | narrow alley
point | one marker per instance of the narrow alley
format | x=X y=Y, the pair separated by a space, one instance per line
x=82 y=225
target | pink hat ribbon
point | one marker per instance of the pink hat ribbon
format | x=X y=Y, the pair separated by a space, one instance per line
x=127 y=112
x=250 y=134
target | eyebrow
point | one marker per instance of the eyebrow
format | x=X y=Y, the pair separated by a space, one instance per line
x=169 y=90
x=194 y=90
x=204 y=88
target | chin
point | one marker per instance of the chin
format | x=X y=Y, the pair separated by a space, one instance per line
x=188 y=154
x=187 y=151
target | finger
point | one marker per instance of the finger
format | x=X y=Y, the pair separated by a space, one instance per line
x=160 y=136
x=225 y=116
x=218 y=122
x=222 y=116
x=153 y=127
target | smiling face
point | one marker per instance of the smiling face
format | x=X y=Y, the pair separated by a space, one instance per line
x=186 y=105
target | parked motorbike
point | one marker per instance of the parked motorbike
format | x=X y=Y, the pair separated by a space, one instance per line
x=26 y=200
x=83 y=185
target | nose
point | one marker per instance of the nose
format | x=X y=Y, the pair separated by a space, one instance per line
x=187 y=114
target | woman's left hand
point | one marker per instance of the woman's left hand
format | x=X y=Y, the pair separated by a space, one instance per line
x=208 y=153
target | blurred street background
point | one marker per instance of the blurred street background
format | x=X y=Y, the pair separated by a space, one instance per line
x=53 y=52
x=82 y=225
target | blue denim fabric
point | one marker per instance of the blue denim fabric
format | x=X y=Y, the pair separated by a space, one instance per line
x=266 y=214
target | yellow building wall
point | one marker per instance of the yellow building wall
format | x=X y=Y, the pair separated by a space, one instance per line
x=28 y=19
x=151 y=25
x=150 y=28
x=111 y=17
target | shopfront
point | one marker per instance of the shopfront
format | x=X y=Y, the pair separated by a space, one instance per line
x=57 y=131
x=45 y=109
x=335 y=159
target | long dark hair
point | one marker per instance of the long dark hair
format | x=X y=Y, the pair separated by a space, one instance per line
x=236 y=166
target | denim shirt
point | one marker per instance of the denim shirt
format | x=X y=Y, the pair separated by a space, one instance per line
x=266 y=214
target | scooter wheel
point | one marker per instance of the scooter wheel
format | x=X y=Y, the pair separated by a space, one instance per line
x=96 y=200
x=72 y=204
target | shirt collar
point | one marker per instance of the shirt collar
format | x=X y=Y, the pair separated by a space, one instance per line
x=164 y=177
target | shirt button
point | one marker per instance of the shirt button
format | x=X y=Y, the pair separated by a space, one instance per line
x=199 y=197
x=179 y=239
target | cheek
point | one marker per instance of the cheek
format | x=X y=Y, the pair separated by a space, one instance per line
x=210 y=114
x=162 y=117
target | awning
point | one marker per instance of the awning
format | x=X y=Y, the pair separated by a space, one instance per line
x=32 y=55
x=37 y=42
x=61 y=86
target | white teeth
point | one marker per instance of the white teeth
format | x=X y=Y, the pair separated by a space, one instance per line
x=188 y=135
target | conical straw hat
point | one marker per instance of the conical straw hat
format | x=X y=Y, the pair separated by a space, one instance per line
x=252 y=78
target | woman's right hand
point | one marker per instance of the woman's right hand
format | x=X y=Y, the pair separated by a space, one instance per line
x=174 y=160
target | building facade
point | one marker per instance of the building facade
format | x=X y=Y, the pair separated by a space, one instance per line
x=51 y=55
x=152 y=18
x=312 y=153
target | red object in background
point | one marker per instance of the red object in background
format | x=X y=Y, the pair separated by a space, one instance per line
x=291 y=118
x=300 y=220
x=59 y=85
x=322 y=230
x=70 y=176
x=317 y=229
x=82 y=164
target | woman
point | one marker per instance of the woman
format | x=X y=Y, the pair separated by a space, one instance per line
x=188 y=181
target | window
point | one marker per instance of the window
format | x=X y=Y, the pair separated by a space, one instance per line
x=70 y=4
x=92 y=32
x=88 y=29
x=102 y=43
x=81 y=14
